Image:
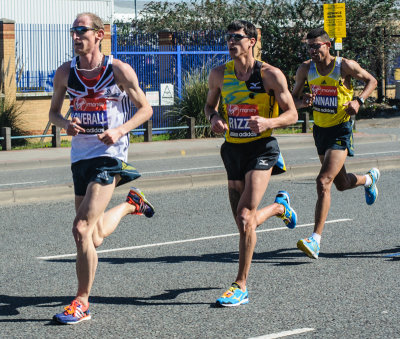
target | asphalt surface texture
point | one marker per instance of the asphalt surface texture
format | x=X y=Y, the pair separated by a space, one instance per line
x=160 y=277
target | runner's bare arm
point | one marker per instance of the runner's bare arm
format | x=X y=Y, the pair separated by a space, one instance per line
x=126 y=78
x=60 y=88
x=273 y=79
x=215 y=81
x=351 y=68
x=302 y=100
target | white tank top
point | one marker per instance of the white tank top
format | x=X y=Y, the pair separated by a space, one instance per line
x=99 y=107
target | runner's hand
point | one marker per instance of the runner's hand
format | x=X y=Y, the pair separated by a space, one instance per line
x=258 y=124
x=218 y=125
x=308 y=99
x=72 y=127
x=110 y=136
x=352 y=107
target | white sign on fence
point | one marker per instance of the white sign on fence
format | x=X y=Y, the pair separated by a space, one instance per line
x=153 y=97
x=167 y=94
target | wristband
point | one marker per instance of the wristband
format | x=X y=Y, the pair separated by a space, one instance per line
x=212 y=116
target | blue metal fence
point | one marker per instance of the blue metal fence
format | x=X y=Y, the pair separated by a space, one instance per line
x=161 y=68
x=40 y=50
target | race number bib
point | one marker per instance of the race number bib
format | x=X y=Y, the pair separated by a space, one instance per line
x=92 y=112
x=238 y=119
x=326 y=98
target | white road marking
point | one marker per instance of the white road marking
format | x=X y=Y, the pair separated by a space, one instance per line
x=372 y=153
x=184 y=241
x=23 y=183
x=285 y=333
x=182 y=169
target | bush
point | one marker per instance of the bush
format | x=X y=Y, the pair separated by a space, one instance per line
x=192 y=102
x=10 y=116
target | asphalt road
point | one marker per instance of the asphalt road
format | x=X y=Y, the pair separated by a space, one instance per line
x=160 y=277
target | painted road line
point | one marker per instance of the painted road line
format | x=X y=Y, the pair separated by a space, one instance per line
x=183 y=241
x=361 y=154
x=182 y=170
x=24 y=183
x=285 y=333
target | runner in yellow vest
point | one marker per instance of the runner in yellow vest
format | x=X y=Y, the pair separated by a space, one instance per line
x=251 y=92
x=331 y=96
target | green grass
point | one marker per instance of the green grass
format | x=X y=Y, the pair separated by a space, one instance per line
x=31 y=144
x=155 y=137
x=37 y=144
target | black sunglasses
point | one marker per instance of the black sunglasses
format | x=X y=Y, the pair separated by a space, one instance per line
x=79 y=30
x=316 y=46
x=235 y=36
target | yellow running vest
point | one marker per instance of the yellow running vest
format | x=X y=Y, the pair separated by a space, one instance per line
x=331 y=94
x=243 y=99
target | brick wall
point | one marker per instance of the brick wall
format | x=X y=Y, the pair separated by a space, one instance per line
x=7 y=58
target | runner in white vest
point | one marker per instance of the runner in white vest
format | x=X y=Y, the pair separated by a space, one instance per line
x=101 y=90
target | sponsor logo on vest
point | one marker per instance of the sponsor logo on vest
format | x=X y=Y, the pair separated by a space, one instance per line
x=81 y=104
x=324 y=90
x=242 y=134
x=242 y=110
x=255 y=85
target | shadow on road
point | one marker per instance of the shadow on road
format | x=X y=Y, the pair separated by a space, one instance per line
x=10 y=305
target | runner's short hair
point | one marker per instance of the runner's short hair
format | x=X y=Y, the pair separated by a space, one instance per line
x=249 y=29
x=318 y=33
x=97 y=23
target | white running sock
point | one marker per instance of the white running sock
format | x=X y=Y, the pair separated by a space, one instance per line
x=368 y=180
x=317 y=237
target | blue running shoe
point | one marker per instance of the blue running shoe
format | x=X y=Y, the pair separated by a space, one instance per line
x=73 y=314
x=371 y=192
x=289 y=216
x=309 y=246
x=233 y=297
x=136 y=198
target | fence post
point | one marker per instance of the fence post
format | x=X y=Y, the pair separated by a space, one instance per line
x=179 y=70
x=191 y=134
x=306 y=122
x=148 y=133
x=6 y=142
x=56 y=138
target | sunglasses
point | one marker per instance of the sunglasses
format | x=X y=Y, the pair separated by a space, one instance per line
x=80 y=30
x=235 y=36
x=316 y=46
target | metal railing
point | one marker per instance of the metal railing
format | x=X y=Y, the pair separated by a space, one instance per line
x=147 y=131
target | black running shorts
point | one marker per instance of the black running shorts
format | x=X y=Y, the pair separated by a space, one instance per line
x=260 y=154
x=101 y=170
x=335 y=137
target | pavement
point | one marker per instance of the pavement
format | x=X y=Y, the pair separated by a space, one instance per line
x=52 y=157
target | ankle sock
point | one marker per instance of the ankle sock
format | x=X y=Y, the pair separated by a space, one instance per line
x=368 y=180
x=317 y=237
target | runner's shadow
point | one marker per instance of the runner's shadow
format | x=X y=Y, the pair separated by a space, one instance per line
x=10 y=305
x=224 y=257
x=392 y=254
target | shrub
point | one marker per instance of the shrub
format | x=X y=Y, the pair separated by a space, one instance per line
x=192 y=102
x=10 y=116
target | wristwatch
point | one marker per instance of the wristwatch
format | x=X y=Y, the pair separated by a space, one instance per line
x=360 y=100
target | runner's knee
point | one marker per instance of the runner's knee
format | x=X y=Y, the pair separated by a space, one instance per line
x=245 y=220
